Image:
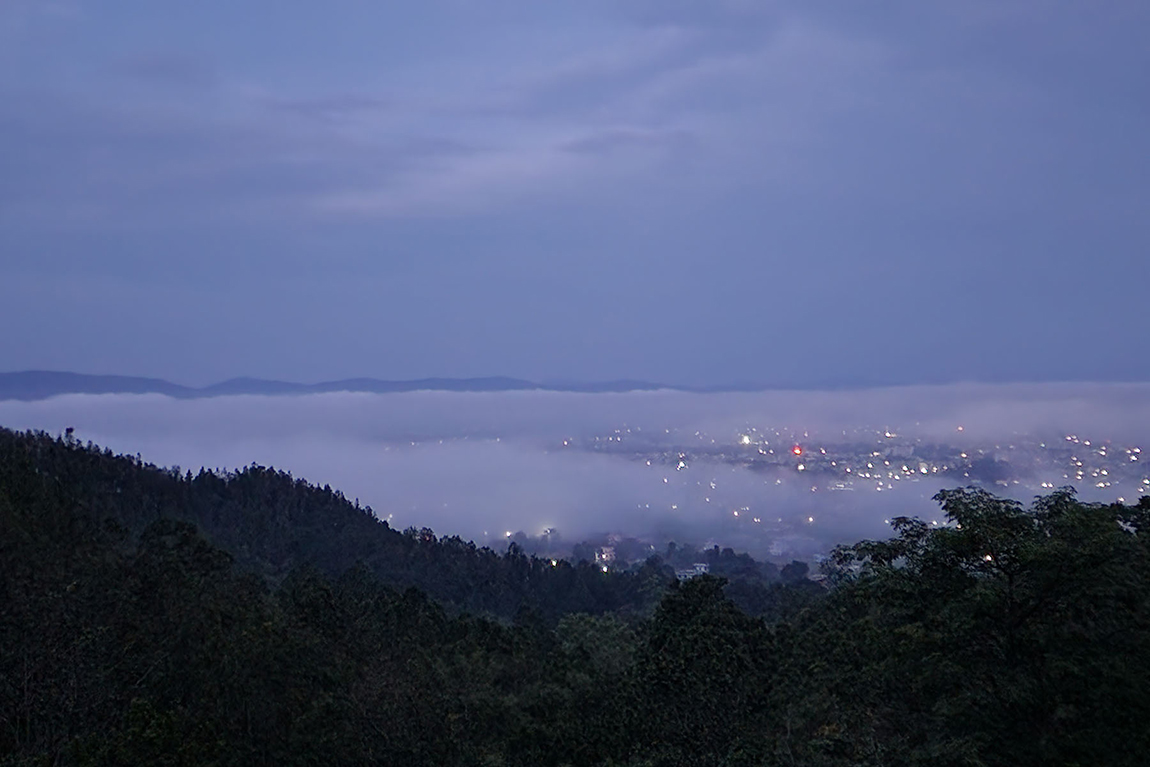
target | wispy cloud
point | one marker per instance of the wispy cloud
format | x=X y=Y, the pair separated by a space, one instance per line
x=409 y=149
x=168 y=69
x=760 y=93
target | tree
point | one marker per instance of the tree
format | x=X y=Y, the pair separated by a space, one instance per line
x=703 y=675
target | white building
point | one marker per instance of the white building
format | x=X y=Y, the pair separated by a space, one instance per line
x=699 y=568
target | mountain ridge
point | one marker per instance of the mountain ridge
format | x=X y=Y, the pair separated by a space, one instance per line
x=31 y=385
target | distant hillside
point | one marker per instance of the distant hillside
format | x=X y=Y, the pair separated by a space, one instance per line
x=41 y=384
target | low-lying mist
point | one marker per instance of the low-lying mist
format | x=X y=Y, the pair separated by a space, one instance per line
x=661 y=465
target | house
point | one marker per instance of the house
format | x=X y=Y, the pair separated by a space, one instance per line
x=699 y=568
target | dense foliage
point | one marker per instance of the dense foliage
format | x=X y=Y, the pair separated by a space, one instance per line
x=272 y=524
x=287 y=629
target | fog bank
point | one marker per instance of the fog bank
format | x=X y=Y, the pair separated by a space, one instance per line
x=482 y=464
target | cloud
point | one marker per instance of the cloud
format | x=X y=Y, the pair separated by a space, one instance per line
x=734 y=108
x=776 y=98
x=451 y=186
x=438 y=141
x=614 y=139
x=18 y=16
x=334 y=107
x=168 y=69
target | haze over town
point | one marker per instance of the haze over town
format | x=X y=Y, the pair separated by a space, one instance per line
x=779 y=474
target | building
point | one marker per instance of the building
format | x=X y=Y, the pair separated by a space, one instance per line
x=699 y=568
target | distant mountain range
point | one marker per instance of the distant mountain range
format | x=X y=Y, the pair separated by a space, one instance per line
x=41 y=384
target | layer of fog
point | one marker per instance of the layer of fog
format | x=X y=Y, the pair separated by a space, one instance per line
x=483 y=464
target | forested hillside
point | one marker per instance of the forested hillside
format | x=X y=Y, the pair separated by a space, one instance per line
x=152 y=618
x=272 y=523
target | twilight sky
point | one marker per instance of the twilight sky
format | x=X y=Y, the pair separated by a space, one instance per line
x=687 y=191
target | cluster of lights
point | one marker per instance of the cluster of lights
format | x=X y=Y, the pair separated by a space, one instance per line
x=879 y=468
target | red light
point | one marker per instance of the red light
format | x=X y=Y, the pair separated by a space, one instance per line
x=797 y=450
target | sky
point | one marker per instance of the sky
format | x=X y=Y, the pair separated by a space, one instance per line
x=702 y=192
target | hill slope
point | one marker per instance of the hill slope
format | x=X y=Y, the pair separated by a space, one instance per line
x=272 y=523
